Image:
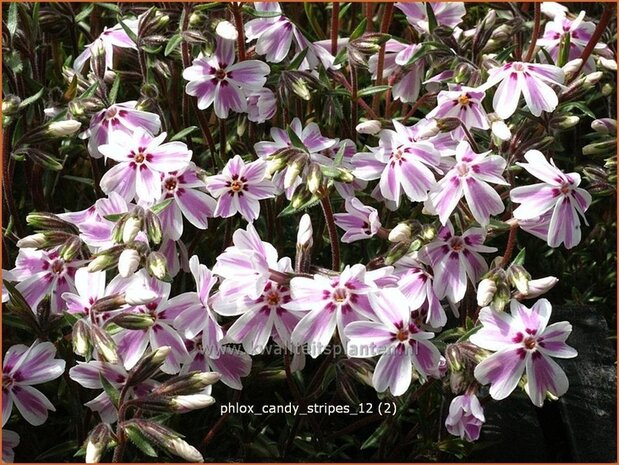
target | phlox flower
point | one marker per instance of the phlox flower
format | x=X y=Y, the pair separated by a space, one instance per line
x=89 y=287
x=579 y=33
x=466 y=417
x=22 y=368
x=416 y=284
x=523 y=341
x=232 y=364
x=401 y=344
x=359 y=221
x=530 y=79
x=88 y=375
x=274 y=34
x=141 y=160
x=132 y=344
x=123 y=117
x=217 y=80
x=240 y=187
x=454 y=258
x=245 y=266
x=109 y=38
x=557 y=193
x=262 y=317
x=407 y=83
x=464 y=103
x=261 y=105
x=329 y=302
x=42 y=272
x=193 y=310
x=469 y=178
x=401 y=162
x=447 y=14
x=10 y=440
x=188 y=200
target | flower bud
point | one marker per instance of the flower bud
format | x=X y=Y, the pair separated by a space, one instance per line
x=299 y=87
x=428 y=233
x=190 y=383
x=157 y=267
x=148 y=365
x=302 y=196
x=571 y=67
x=485 y=292
x=81 y=338
x=501 y=297
x=10 y=105
x=564 y=122
x=134 y=321
x=64 y=128
x=371 y=127
x=107 y=259
x=130 y=229
x=191 y=402
x=42 y=220
x=70 y=248
x=184 y=450
x=396 y=252
x=608 y=63
x=600 y=148
x=607 y=89
x=104 y=345
x=538 y=287
x=519 y=278
x=97 y=441
x=226 y=30
x=128 y=262
x=34 y=241
x=402 y=232
x=592 y=79
x=293 y=171
x=305 y=232
x=153 y=227
x=314 y=178
x=604 y=126
x=429 y=130
x=448 y=124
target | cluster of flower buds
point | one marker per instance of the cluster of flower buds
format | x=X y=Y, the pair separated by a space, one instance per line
x=408 y=237
x=52 y=231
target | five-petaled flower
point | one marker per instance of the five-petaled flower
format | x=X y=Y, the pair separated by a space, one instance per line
x=239 y=188
x=218 y=80
x=523 y=341
x=558 y=193
x=22 y=368
x=402 y=344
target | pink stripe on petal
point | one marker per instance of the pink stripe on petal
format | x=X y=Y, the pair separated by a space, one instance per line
x=425 y=357
x=32 y=404
x=502 y=370
x=507 y=95
x=539 y=96
x=482 y=200
x=394 y=371
x=564 y=225
x=544 y=375
x=316 y=328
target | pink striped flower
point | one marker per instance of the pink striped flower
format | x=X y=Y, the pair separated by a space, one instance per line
x=188 y=200
x=523 y=341
x=454 y=258
x=558 y=193
x=329 y=303
x=466 y=417
x=121 y=117
x=22 y=368
x=447 y=14
x=402 y=163
x=401 y=344
x=469 y=178
x=240 y=187
x=530 y=79
x=43 y=272
x=141 y=160
x=109 y=38
x=217 y=80
x=359 y=221
x=263 y=317
x=464 y=103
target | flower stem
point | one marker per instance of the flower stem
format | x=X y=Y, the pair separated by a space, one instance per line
x=333 y=240
x=353 y=102
x=511 y=242
x=536 y=30
x=335 y=25
x=218 y=425
x=384 y=28
x=238 y=21
x=119 y=450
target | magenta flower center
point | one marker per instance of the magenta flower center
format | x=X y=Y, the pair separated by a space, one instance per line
x=530 y=343
x=402 y=335
x=566 y=188
x=236 y=185
x=7 y=382
x=519 y=67
x=273 y=298
x=220 y=74
x=111 y=113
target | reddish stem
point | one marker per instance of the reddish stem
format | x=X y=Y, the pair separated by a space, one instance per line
x=536 y=30
x=335 y=25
